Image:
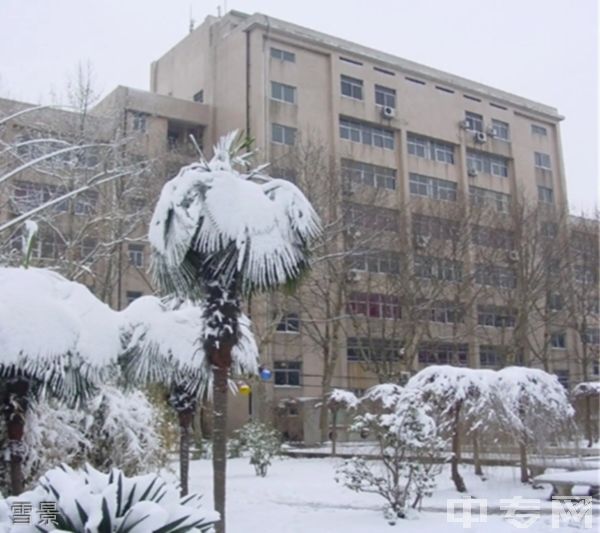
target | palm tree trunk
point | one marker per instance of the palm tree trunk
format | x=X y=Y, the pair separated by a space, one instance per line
x=457 y=479
x=219 y=442
x=476 y=457
x=334 y=413
x=185 y=426
x=15 y=407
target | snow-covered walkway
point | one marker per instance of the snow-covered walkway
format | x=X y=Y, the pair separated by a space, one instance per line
x=300 y=495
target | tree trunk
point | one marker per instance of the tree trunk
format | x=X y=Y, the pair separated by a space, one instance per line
x=476 y=458
x=588 y=422
x=185 y=425
x=457 y=479
x=334 y=413
x=219 y=428
x=523 y=462
x=15 y=408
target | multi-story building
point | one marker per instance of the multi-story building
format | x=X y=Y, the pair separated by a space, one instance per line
x=424 y=145
x=444 y=199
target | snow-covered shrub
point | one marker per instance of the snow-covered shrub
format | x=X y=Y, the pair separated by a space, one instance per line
x=56 y=435
x=124 y=433
x=262 y=442
x=408 y=440
x=88 y=501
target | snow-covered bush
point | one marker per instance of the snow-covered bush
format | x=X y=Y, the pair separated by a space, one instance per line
x=408 y=441
x=262 y=443
x=88 y=501
x=124 y=433
x=56 y=435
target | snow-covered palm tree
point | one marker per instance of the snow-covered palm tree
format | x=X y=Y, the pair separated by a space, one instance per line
x=164 y=346
x=56 y=339
x=224 y=234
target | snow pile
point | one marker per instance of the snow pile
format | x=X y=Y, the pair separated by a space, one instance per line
x=213 y=219
x=385 y=394
x=54 y=329
x=88 y=500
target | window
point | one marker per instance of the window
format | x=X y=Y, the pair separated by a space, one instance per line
x=287 y=373
x=563 y=377
x=360 y=132
x=435 y=227
x=139 y=121
x=384 y=96
x=495 y=276
x=28 y=195
x=555 y=301
x=443 y=354
x=85 y=202
x=501 y=130
x=376 y=262
x=434 y=188
x=351 y=61
x=545 y=195
x=133 y=295
x=373 y=349
x=549 y=229
x=447 y=312
x=373 y=305
x=430 y=148
x=283 y=55
x=558 y=340
x=474 y=121
x=136 y=254
x=542 y=161
x=538 y=130
x=283 y=134
x=367 y=174
x=591 y=336
x=496 y=316
x=283 y=93
x=585 y=274
x=428 y=267
x=487 y=163
x=371 y=217
x=492 y=237
x=596 y=368
x=290 y=323
x=351 y=87
x=199 y=96
x=383 y=71
x=492 y=356
x=486 y=197
x=414 y=80
x=87 y=249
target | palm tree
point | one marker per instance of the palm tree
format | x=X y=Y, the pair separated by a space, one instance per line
x=225 y=234
x=56 y=339
x=164 y=347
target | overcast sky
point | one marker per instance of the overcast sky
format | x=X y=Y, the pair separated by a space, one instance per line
x=546 y=50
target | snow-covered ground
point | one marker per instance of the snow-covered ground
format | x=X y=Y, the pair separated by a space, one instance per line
x=300 y=495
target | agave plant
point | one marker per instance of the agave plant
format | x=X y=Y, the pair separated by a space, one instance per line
x=88 y=501
x=223 y=234
x=56 y=339
x=164 y=347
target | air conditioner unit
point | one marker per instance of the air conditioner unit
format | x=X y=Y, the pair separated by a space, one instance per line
x=422 y=241
x=353 y=276
x=388 y=111
x=472 y=172
x=513 y=256
x=480 y=137
x=464 y=124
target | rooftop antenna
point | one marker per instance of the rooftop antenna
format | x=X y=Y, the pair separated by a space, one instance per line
x=192 y=21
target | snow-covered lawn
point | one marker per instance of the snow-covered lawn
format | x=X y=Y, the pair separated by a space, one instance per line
x=300 y=495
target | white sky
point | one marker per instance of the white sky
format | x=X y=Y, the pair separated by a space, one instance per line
x=546 y=50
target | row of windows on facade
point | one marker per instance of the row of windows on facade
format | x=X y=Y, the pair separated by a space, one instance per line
x=289 y=373
x=54 y=154
x=386 y=96
x=417 y=145
x=27 y=195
